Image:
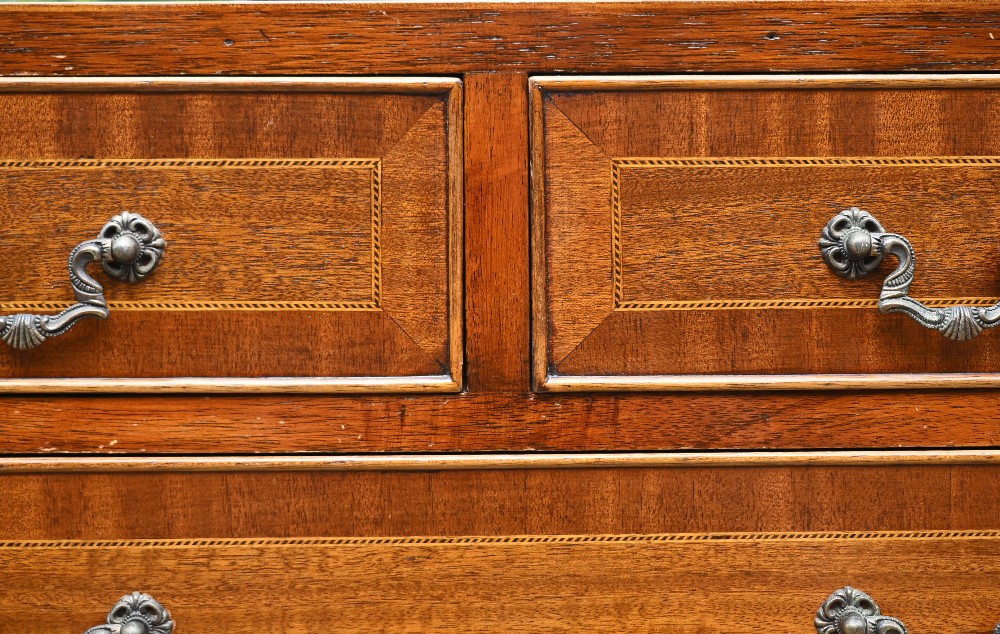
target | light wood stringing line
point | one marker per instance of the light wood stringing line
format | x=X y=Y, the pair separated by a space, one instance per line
x=794 y=304
x=494 y=461
x=501 y=540
x=196 y=306
x=165 y=163
x=618 y=164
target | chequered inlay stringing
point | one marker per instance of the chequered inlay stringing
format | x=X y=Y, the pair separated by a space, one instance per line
x=371 y=164
x=620 y=164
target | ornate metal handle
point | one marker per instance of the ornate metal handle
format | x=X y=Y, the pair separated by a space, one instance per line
x=130 y=248
x=851 y=611
x=136 y=613
x=853 y=244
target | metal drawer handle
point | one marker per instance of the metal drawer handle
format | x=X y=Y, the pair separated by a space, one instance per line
x=851 y=611
x=130 y=248
x=853 y=244
x=136 y=613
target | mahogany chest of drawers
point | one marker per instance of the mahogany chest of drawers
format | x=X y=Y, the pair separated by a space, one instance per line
x=483 y=317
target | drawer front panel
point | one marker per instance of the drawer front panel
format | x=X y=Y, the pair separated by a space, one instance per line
x=312 y=231
x=725 y=583
x=516 y=543
x=677 y=223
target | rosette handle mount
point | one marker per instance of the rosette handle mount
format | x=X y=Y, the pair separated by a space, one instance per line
x=853 y=244
x=851 y=611
x=136 y=613
x=129 y=247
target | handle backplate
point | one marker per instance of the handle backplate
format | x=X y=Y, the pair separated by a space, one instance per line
x=136 y=613
x=851 y=611
x=853 y=244
x=130 y=248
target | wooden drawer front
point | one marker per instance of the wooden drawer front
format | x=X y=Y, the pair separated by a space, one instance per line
x=677 y=220
x=707 y=543
x=722 y=583
x=312 y=227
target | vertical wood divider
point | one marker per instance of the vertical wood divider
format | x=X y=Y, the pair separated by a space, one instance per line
x=496 y=232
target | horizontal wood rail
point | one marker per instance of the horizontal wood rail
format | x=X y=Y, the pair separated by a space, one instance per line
x=481 y=461
x=392 y=38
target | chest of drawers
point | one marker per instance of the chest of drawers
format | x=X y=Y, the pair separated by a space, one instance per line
x=525 y=317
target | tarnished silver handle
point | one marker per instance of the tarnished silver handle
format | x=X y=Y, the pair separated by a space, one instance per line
x=851 y=611
x=853 y=244
x=130 y=248
x=136 y=613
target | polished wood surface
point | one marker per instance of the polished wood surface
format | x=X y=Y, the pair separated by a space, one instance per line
x=676 y=231
x=45 y=425
x=462 y=37
x=498 y=411
x=493 y=461
x=300 y=530
x=770 y=582
x=736 y=505
x=523 y=500
x=304 y=240
x=498 y=346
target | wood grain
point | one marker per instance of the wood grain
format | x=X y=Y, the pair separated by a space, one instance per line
x=771 y=382
x=334 y=212
x=594 y=584
x=492 y=461
x=576 y=512
x=338 y=191
x=681 y=217
x=498 y=315
x=906 y=195
x=395 y=38
x=43 y=424
x=517 y=501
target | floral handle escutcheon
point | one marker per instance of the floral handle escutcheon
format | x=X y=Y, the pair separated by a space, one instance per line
x=851 y=611
x=853 y=244
x=129 y=247
x=136 y=613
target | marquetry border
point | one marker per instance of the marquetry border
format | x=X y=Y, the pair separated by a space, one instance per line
x=619 y=164
x=374 y=165
x=294 y=542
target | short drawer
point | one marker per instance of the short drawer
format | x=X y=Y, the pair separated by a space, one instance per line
x=678 y=221
x=309 y=234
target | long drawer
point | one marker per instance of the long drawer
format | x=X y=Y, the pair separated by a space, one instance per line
x=723 y=583
x=502 y=547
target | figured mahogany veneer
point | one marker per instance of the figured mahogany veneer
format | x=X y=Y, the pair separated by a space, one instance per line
x=481 y=544
x=316 y=202
x=314 y=38
x=313 y=231
x=677 y=219
x=495 y=48
x=771 y=582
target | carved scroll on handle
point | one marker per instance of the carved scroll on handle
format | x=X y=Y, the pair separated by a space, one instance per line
x=136 y=613
x=853 y=244
x=130 y=248
x=851 y=611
